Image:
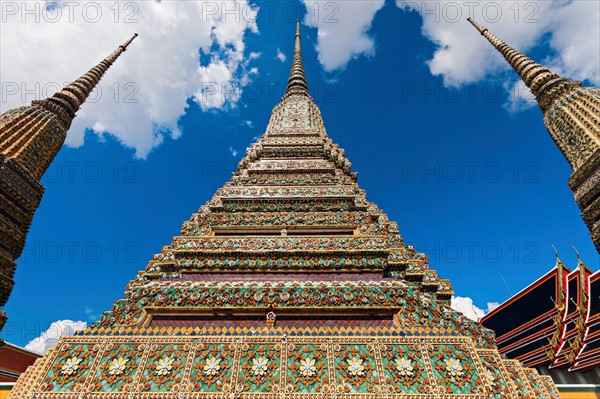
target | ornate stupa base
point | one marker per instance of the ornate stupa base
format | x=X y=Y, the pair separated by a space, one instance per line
x=273 y=364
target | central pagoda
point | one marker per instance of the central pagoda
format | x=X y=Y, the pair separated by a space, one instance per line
x=288 y=283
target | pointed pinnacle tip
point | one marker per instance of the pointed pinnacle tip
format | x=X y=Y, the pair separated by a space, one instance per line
x=576 y=252
x=555 y=251
x=480 y=28
x=128 y=42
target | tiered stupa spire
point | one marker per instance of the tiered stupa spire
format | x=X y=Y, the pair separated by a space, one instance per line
x=572 y=117
x=72 y=97
x=545 y=85
x=30 y=138
x=297 y=80
x=287 y=283
x=29 y=134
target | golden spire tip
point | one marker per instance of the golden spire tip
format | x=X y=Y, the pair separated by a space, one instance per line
x=480 y=28
x=128 y=42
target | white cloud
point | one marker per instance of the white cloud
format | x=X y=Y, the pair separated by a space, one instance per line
x=50 y=337
x=280 y=56
x=576 y=38
x=233 y=151
x=248 y=124
x=217 y=87
x=93 y=316
x=491 y=306
x=465 y=306
x=520 y=97
x=463 y=56
x=146 y=91
x=342 y=29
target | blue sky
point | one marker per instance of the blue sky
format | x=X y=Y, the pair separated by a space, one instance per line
x=471 y=177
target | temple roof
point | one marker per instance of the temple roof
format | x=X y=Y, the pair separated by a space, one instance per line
x=553 y=322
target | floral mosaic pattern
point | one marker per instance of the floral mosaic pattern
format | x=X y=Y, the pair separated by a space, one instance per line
x=212 y=369
x=514 y=369
x=268 y=165
x=206 y=218
x=295 y=178
x=307 y=368
x=279 y=243
x=549 y=387
x=164 y=368
x=355 y=368
x=421 y=310
x=388 y=294
x=496 y=379
x=281 y=205
x=534 y=382
x=287 y=218
x=292 y=262
x=117 y=368
x=71 y=368
x=260 y=367
x=404 y=369
x=455 y=370
x=287 y=192
x=316 y=150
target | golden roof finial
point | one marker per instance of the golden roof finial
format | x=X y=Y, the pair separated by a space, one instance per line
x=559 y=264
x=583 y=269
x=577 y=253
x=560 y=267
x=555 y=252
